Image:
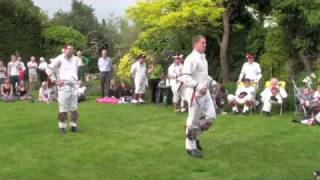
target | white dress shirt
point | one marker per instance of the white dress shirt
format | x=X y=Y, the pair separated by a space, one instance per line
x=174 y=71
x=251 y=71
x=266 y=94
x=14 y=67
x=139 y=71
x=105 y=64
x=65 y=68
x=43 y=66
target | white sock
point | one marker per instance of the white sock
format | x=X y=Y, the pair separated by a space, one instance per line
x=73 y=124
x=190 y=145
x=235 y=109
x=62 y=125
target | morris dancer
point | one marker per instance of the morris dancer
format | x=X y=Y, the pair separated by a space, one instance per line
x=66 y=68
x=174 y=72
x=201 y=107
x=139 y=74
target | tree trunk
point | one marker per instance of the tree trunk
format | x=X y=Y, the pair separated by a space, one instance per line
x=305 y=60
x=224 y=46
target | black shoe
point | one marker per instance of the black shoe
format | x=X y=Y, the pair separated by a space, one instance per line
x=74 y=129
x=245 y=113
x=195 y=153
x=295 y=121
x=235 y=113
x=317 y=174
x=268 y=114
x=198 y=145
x=62 y=131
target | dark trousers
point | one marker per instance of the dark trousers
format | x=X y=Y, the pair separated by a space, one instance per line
x=81 y=71
x=105 y=78
x=42 y=76
x=14 y=82
x=153 y=84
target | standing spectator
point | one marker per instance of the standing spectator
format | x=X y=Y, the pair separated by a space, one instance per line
x=3 y=72
x=250 y=70
x=82 y=61
x=32 y=71
x=6 y=90
x=155 y=73
x=13 y=71
x=42 y=69
x=22 y=69
x=105 y=68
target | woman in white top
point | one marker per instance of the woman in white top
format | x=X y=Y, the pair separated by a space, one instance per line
x=32 y=71
x=13 y=71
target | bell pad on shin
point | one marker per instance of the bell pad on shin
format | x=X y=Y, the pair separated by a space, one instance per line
x=192 y=134
x=74 y=116
x=62 y=116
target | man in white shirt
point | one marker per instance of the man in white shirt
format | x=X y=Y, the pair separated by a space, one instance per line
x=244 y=96
x=42 y=70
x=62 y=71
x=82 y=61
x=32 y=71
x=201 y=107
x=272 y=95
x=174 y=72
x=105 y=68
x=139 y=74
x=250 y=70
x=13 y=71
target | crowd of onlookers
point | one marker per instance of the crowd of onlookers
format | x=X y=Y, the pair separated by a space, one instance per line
x=14 y=76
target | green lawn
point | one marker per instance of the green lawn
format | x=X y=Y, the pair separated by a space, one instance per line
x=147 y=142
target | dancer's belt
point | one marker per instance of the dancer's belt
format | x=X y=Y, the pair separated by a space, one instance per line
x=69 y=83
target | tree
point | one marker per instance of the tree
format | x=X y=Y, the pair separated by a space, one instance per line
x=168 y=25
x=81 y=17
x=300 y=20
x=21 y=26
x=55 y=37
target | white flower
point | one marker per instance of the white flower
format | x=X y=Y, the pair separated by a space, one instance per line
x=313 y=76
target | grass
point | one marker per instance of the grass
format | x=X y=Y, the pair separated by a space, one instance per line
x=147 y=142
